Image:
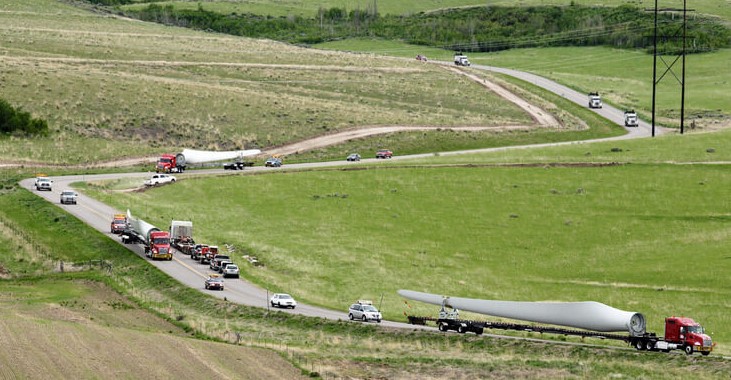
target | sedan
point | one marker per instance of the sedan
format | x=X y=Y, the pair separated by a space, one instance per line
x=214 y=282
x=353 y=157
x=283 y=300
x=273 y=163
x=384 y=153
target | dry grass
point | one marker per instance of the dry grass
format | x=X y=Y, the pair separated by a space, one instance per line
x=130 y=88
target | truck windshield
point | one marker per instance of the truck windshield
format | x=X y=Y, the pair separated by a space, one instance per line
x=161 y=241
x=695 y=329
x=164 y=161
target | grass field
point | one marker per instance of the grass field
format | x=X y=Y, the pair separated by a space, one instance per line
x=80 y=307
x=624 y=235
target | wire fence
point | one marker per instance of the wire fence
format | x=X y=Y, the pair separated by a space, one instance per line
x=39 y=250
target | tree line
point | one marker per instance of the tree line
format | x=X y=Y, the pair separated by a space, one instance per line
x=17 y=121
x=486 y=28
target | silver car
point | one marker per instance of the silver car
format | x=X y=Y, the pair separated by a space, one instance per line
x=364 y=311
x=283 y=300
x=230 y=270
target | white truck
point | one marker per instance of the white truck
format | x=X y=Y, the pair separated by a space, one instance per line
x=159 y=179
x=595 y=101
x=630 y=118
x=68 y=197
x=461 y=60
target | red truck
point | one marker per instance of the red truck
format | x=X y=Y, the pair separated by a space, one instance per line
x=588 y=319
x=170 y=163
x=155 y=241
x=680 y=333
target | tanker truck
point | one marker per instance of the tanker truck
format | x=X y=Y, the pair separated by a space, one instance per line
x=177 y=163
x=594 y=319
x=155 y=241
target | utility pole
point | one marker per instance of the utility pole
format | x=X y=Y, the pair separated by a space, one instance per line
x=669 y=65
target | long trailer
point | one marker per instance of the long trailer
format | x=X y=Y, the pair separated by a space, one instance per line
x=595 y=320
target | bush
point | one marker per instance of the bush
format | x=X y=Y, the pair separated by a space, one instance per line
x=17 y=121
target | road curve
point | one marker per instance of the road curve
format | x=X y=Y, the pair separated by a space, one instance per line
x=98 y=214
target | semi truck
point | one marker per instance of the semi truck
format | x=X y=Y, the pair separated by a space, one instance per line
x=461 y=60
x=155 y=241
x=594 y=320
x=177 y=163
x=595 y=101
x=630 y=118
x=181 y=235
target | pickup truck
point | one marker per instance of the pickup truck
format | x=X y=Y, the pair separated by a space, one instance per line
x=159 y=179
x=68 y=197
x=44 y=183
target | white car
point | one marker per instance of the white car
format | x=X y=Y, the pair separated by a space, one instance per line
x=68 y=197
x=283 y=300
x=364 y=311
x=159 y=179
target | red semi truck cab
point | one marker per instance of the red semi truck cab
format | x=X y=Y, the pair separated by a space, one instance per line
x=687 y=334
x=160 y=245
x=170 y=163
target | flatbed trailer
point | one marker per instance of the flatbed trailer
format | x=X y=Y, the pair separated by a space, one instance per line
x=464 y=326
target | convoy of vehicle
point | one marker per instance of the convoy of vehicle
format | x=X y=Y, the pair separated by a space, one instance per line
x=282 y=300
x=364 y=311
x=384 y=153
x=68 y=197
x=160 y=179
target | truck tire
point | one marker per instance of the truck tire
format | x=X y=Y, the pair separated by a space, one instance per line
x=639 y=345
x=705 y=353
x=443 y=327
x=350 y=316
x=461 y=329
x=688 y=350
x=650 y=345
